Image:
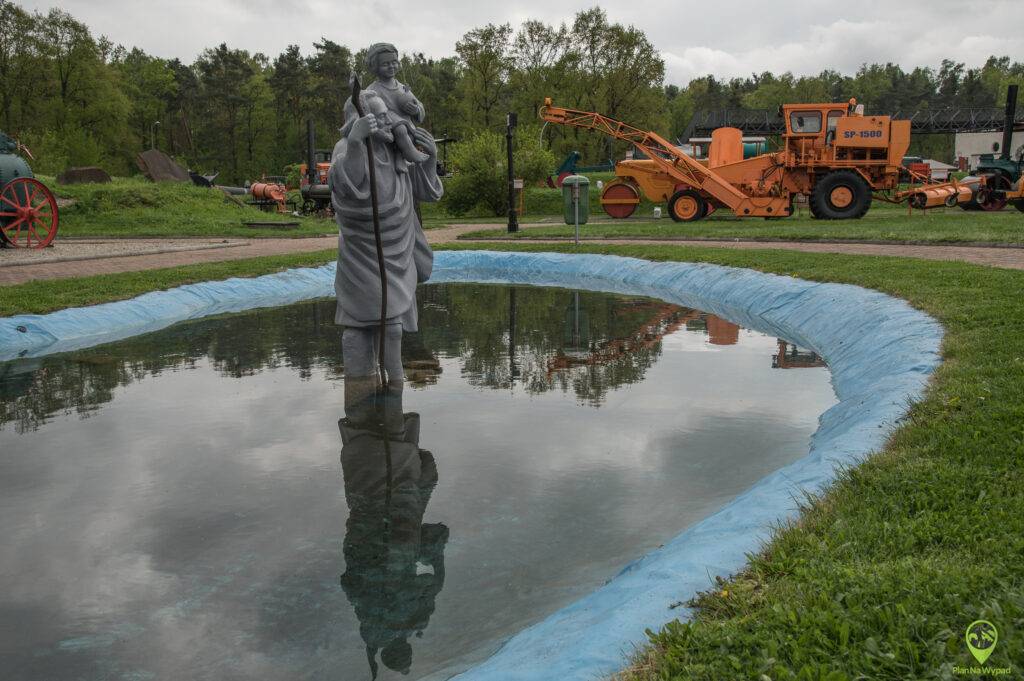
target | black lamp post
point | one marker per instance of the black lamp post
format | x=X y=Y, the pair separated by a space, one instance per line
x=513 y=219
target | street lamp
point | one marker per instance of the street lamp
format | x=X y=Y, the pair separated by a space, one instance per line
x=152 y=134
x=513 y=221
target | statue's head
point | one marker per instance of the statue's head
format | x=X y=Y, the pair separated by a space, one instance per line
x=372 y=105
x=382 y=60
x=397 y=655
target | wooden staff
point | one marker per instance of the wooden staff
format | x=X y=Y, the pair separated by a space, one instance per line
x=376 y=235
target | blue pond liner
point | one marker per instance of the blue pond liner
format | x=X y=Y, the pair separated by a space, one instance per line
x=880 y=352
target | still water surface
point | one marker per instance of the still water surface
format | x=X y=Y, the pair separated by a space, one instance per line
x=193 y=504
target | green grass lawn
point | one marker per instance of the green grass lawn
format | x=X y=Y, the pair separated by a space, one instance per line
x=882 y=223
x=40 y=297
x=135 y=207
x=881 y=575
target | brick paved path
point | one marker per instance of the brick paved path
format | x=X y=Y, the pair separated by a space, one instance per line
x=1012 y=258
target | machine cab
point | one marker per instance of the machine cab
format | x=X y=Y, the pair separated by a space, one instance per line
x=817 y=121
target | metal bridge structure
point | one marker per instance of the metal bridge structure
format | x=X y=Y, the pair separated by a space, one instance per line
x=922 y=122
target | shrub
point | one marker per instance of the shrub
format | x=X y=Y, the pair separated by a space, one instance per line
x=480 y=171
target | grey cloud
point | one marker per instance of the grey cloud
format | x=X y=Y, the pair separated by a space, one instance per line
x=727 y=39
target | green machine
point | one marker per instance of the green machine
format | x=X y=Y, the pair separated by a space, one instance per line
x=28 y=211
x=570 y=166
x=1001 y=173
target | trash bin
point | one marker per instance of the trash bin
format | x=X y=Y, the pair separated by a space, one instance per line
x=575 y=187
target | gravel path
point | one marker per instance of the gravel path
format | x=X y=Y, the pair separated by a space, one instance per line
x=63 y=250
x=78 y=258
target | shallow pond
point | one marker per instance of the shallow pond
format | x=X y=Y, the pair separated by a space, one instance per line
x=193 y=504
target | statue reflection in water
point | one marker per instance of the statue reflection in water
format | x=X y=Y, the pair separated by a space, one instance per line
x=394 y=561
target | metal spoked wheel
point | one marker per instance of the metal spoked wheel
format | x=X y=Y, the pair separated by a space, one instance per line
x=28 y=213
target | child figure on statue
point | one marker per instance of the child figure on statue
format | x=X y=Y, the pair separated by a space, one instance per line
x=382 y=60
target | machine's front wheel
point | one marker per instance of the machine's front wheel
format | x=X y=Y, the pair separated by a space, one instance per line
x=687 y=205
x=1019 y=205
x=840 y=195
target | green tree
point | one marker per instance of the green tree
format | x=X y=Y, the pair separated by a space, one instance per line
x=149 y=84
x=290 y=83
x=480 y=170
x=486 y=62
x=223 y=76
x=18 y=54
x=330 y=69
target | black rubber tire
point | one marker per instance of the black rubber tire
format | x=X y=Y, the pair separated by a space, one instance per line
x=810 y=207
x=702 y=208
x=1019 y=205
x=822 y=207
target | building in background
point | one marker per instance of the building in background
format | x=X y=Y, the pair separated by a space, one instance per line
x=971 y=145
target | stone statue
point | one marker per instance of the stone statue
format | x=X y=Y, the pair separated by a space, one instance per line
x=405 y=175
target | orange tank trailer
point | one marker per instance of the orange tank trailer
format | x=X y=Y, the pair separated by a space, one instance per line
x=831 y=152
x=268 y=192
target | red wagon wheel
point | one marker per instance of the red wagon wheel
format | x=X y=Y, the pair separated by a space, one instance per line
x=28 y=213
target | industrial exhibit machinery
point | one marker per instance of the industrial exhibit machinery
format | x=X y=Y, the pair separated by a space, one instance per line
x=1001 y=175
x=832 y=153
x=269 y=196
x=28 y=211
x=316 y=194
x=663 y=319
x=570 y=166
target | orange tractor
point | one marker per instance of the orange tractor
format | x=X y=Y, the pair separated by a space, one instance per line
x=832 y=153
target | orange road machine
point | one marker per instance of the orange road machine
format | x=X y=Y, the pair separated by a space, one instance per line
x=832 y=153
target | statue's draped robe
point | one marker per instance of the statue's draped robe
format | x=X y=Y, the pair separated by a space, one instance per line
x=407 y=257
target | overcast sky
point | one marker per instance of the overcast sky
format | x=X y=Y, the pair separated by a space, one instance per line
x=725 y=38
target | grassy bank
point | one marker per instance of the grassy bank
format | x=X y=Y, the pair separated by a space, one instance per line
x=882 y=223
x=881 y=575
x=136 y=207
